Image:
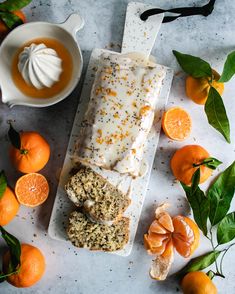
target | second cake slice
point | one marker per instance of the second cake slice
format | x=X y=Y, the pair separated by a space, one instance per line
x=99 y=198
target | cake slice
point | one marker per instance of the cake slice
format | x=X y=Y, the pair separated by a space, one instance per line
x=99 y=198
x=84 y=233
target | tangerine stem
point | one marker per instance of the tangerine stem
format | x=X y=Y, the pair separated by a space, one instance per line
x=199 y=164
x=24 y=151
x=12 y=273
x=212 y=244
x=222 y=258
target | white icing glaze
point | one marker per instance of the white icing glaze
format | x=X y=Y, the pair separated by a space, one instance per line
x=120 y=112
x=88 y=204
x=40 y=66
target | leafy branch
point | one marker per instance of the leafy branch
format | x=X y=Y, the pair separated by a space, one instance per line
x=214 y=106
x=210 y=211
x=15 y=252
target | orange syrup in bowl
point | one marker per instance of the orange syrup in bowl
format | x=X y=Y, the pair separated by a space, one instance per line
x=65 y=77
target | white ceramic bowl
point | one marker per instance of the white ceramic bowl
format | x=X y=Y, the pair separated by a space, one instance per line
x=65 y=33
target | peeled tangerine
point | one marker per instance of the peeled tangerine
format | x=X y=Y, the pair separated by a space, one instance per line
x=166 y=233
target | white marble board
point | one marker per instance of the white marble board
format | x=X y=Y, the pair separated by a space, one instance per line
x=140 y=42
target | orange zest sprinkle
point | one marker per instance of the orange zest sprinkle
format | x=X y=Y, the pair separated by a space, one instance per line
x=145 y=110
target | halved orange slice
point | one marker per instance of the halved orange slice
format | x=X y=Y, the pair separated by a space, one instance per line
x=32 y=189
x=176 y=124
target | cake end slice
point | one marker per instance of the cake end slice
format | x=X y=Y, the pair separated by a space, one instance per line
x=84 y=233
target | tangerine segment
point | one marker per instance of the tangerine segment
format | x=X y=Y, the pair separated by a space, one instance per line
x=197 y=89
x=176 y=124
x=155 y=227
x=156 y=240
x=182 y=163
x=32 y=189
x=9 y=207
x=159 y=250
x=165 y=220
x=185 y=236
x=32 y=267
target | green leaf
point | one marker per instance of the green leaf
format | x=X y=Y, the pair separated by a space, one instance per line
x=192 y=65
x=3 y=183
x=211 y=162
x=12 y=5
x=216 y=113
x=229 y=68
x=221 y=194
x=201 y=262
x=14 y=137
x=15 y=250
x=226 y=229
x=11 y=20
x=2 y=277
x=198 y=201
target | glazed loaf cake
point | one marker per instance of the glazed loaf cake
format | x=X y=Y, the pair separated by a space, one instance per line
x=101 y=200
x=120 y=112
x=84 y=233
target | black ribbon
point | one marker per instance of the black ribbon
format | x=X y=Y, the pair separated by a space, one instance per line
x=181 y=11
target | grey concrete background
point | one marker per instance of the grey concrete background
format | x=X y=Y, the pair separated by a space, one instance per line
x=77 y=271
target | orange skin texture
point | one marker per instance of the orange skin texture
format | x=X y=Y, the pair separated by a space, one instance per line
x=32 y=267
x=183 y=160
x=198 y=283
x=197 y=89
x=9 y=207
x=36 y=156
x=176 y=124
x=4 y=30
x=186 y=241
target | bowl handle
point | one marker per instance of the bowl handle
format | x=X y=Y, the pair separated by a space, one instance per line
x=73 y=24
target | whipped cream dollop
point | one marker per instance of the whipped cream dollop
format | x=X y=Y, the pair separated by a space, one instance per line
x=40 y=66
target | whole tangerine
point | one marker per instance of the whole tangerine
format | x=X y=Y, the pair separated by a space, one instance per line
x=185 y=162
x=33 y=154
x=31 y=269
x=9 y=207
x=198 y=283
x=197 y=89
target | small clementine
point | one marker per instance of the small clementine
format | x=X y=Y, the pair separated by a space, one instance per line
x=33 y=154
x=9 y=207
x=198 y=283
x=197 y=89
x=184 y=163
x=31 y=269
